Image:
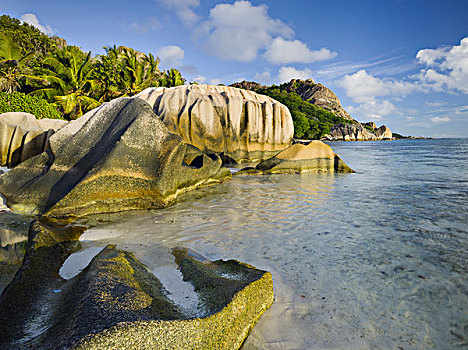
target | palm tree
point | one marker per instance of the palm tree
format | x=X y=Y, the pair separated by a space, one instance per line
x=106 y=74
x=69 y=82
x=171 y=78
x=139 y=71
x=10 y=59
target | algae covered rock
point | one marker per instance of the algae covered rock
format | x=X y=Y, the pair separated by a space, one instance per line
x=22 y=136
x=116 y=302
x=298 y=158
x=119 y=156
x=239 y=125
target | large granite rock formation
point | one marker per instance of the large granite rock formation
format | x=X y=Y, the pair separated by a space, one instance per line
x=318 y=95
x=22 y=136
x=356 y=132
x=298 y=159
x=116 y=302
x=239 y=125
x=119 y=156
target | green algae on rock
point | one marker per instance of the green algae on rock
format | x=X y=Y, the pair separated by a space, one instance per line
x=116 y=302
x=299 y=159
x=117 y=157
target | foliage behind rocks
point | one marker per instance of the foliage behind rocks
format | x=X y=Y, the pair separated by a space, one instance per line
x=36 y=64
x=19 y=102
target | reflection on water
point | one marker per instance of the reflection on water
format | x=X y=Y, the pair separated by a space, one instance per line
x=13 y=243
x=371 y=260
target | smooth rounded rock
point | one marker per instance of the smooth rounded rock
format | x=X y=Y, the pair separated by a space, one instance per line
x=119 y=156
x=298 y=159
x=238 y=124
x=22 y=136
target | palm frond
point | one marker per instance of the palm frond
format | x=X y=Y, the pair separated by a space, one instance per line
x=9 y=50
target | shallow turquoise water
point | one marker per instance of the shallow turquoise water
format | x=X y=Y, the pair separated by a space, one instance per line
x=372 y=260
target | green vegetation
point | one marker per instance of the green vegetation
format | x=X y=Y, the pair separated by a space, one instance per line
x=68 y=78
x=368 y=127
x=19 y=102
x=310 y=121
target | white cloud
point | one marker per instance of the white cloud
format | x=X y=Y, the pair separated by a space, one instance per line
x=410 y=119
x=200 y=79
x=438 y=120
x=215 y=81
x=184 y=9
x=435 y=103
x=31 y=19
x=142 y=28
x=372 y=110
x=363 y=87
x=263 y=77
x=283 y=51
x=171 y=55
x=285 y=74
x=447 y=67
x=238 y=31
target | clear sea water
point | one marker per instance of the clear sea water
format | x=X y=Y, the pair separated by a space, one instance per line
x=377 y=259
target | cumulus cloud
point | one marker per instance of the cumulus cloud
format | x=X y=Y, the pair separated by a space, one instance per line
x=171 y=55
x=285 y=74
x=438 y=120
x=263 y=77
x=215 y=81
x=200 y=79
x=31 y=19
x=364 y=87
x=283 y=51
x=447 y=67
x=141 y=27
x=372 y=110
x=238 y=31
x=184 y=9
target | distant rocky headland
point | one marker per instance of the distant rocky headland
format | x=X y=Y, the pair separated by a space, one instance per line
x=317 y=112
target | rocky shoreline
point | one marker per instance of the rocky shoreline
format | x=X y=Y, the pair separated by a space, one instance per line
x=123 y=156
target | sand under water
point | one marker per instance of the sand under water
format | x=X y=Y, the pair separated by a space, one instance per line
x=371 y=260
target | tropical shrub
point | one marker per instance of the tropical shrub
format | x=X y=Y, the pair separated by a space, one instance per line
x=310 y=121
x=19 y=102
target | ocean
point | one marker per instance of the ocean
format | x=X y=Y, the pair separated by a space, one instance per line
x=377 y=259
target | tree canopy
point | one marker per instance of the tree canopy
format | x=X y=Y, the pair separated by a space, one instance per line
x=310 y=121
x=72 y=80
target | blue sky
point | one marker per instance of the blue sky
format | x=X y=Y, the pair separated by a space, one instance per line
x=402 y=63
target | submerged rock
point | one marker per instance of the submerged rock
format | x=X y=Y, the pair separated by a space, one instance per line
x=298 y=159
x=116 y=302
x=119 y=156
x=239 y=125
x=22 y=136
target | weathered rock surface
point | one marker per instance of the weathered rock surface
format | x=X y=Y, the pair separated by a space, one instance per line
x=383 y=133
x=239 y=125
x=318 y=95
x=298 y=159
x=356 y=132
x=119 y=156
x=22 y=136
x=116 y=302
